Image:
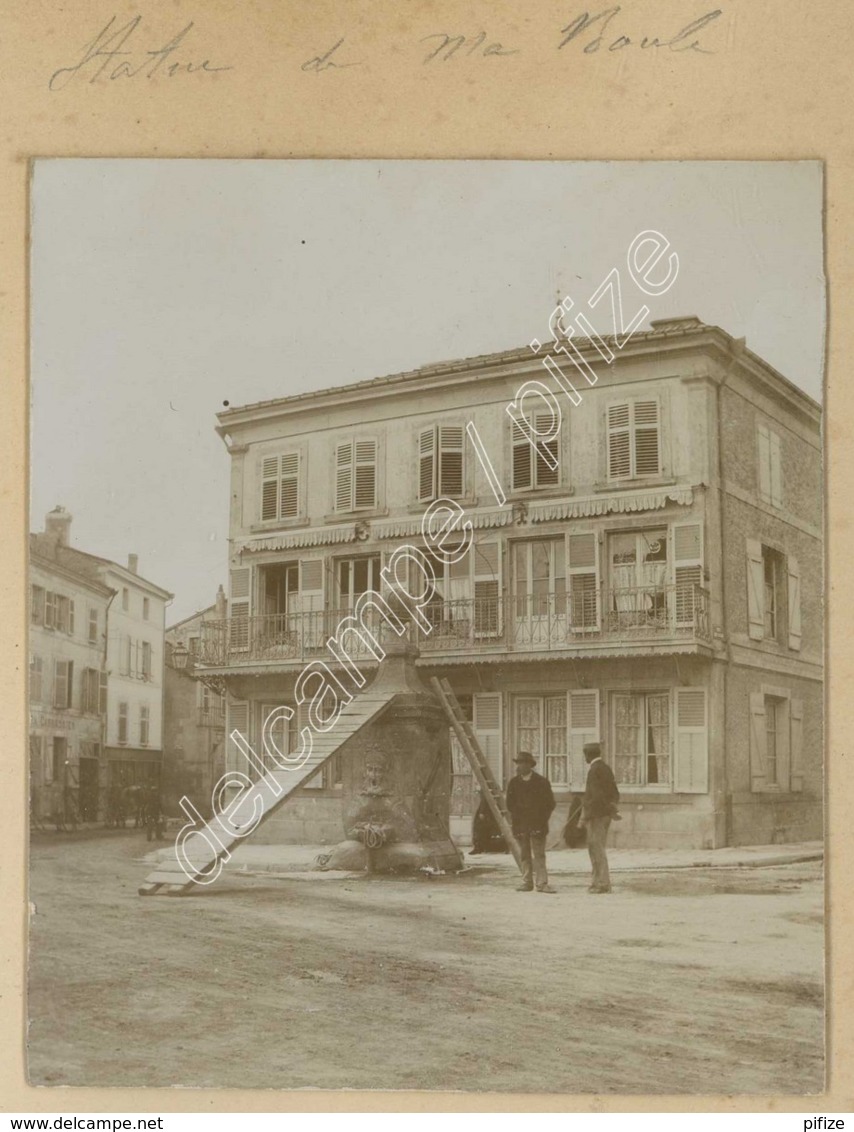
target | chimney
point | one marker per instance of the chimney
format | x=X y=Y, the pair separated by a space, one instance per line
x=133 y=563
x=221 y=607
x=58 y=524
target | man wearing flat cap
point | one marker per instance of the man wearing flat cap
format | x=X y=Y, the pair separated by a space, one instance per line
x=530 y=802
x=599 y=807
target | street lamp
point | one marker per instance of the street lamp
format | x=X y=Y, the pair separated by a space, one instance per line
x=180 y=656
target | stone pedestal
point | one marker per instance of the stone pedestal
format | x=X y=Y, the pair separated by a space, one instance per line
x=396 y=779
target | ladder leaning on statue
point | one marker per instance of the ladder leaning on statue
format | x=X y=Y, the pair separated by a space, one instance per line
x=482 y=771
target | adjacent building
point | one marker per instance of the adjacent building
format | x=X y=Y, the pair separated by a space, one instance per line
x=652 y=578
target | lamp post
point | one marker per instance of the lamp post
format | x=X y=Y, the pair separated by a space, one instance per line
x=180 y=657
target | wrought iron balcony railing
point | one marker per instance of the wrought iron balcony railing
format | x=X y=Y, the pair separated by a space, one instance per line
x=530 y=623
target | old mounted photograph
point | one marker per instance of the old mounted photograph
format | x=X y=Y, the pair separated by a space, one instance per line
x=426 y=645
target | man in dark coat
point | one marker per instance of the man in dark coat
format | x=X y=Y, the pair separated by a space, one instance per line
x=599 y=808
x=530 y=802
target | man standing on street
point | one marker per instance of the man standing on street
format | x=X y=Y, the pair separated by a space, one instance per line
x=530 y=802
x=600 y=806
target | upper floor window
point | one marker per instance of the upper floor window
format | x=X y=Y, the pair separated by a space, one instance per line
x=535 y=465
x=93 y=626
x=634 y=440
x=356 y=476
x=52 y=610
x=770 y=470
x=123 y=723
x=146 y=660
x=280 y=486
x=37 y=609
x=144 y=721
x=146 y=608
x=440 y=462
x=125 y=598
x=94 y=691
x=36 y=679
x=62 y=683
x=773 y=595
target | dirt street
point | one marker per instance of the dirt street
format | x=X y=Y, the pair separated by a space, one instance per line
x=680 y=982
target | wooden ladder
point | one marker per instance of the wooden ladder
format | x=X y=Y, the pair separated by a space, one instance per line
x=489 y=788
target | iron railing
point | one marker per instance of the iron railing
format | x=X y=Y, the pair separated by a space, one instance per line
x=530 y=623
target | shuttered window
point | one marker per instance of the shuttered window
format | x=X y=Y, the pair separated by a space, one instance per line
x=123 y=723
x=93 y=626
x=240 y=607
x=634 y=440
x=36 y=679
x=280 y=486
x=770 y=466
x=91 y=690
x=144 y=723
x=37 y=609
x=691 y=747
x=440 y=462
x=687 y=558
x=535 y=465
x=356 y=476
x=486 y=724
x=62 y=683
x=582 y=555
x=486 y=578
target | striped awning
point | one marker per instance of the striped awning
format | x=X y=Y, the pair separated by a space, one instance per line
x=405 y=528
x=605 y=505
x=319 y=536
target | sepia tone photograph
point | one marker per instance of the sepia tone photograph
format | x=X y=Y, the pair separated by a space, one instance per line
x=427 y=626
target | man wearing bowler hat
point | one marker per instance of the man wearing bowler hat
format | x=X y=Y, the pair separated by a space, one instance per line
x=530 y=802
x=599 y=807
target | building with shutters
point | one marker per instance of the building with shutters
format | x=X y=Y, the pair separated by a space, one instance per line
x=651 y=578
x=99 y=665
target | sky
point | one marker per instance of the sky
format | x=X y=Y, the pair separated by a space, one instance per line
x=161 y=289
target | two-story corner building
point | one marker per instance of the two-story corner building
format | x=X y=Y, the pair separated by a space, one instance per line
x=193 y=717
x=67 y=681
x=130 y=646
x=653 y=577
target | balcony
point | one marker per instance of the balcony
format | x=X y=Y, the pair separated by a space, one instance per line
x=544 y=624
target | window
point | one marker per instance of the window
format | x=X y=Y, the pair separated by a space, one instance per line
x=146 y=608
x=193 y=646
x=773 y=595
x=144 y=719
x=62 y=683
x=91 y=690
x=63 y=614
x=633 y=440
x=49 y=610
x=440 y=462
x=60 y=758
x=280 y=486
x=36 y=679
x=37 y=607
x=102 y=693
x=776 y=740
x=123 y=723
x=93 y=626
x=642 y=738
x=539 y=572
x=583 y=577
x=770 y=470
x=554 y=729
x=356 y=476
x=638 y=569
x=356 y=576
x=146 y=660
x=531 y=468
x=770 y=574
x=125 y=598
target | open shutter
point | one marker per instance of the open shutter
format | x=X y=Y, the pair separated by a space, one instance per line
x=619 y=442
x=289 y=486
x=755 y=590
x=102 y=693
x=344 y=477
x=270 y=488
x=776 y=471
x=240 y=606
x=450 y=444
x=647 y=444
x=311 y=600
x=486 y=581
x=793 y=571
x=763 y=443
x=427 y=464
x=523 y=465
x=365 y=493
x=691 y=749
x=486 y=724
x=71 y=617
x=796 y=723
x=583 y=728
x=687 y=559
x=546 y=474
x=582 y=568
x=757 y=741
x=236 y=719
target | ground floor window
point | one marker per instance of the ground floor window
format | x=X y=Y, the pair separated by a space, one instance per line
x=541 y=729
x=642 y=738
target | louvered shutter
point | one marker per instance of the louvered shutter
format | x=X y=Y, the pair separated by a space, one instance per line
x=289 y=485
x=583 y=728
x=486 y=582
x=270 y=488
x=486 y=724
x=427 y=464
x=237 y=719
x=365 y=494
x=523 y=464
x=344 y=477
x=311 y=594
x=755 y=590
x=776 y=470
x=793 y=572
x=619 y=442
x=240 y=607
x=547 y=474
x=687 y=558
x=796 y=724
x=764 y=445
x=582 y=567
x=757 y=741
x=450 y=461
x=691 y=747
x=71 y=617
x=102 y=693
x=647 y=439
x=59 y=689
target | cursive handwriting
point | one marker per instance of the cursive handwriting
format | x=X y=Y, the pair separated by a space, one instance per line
x=681 y=41
x=450 y=45
x=100 y=57
x=324 y=62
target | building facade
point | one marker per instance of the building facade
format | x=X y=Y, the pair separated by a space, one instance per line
x=652 y=576
x=116 y=688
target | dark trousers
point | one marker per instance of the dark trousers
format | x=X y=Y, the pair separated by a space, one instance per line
x=533 y=852
x=597 y=835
